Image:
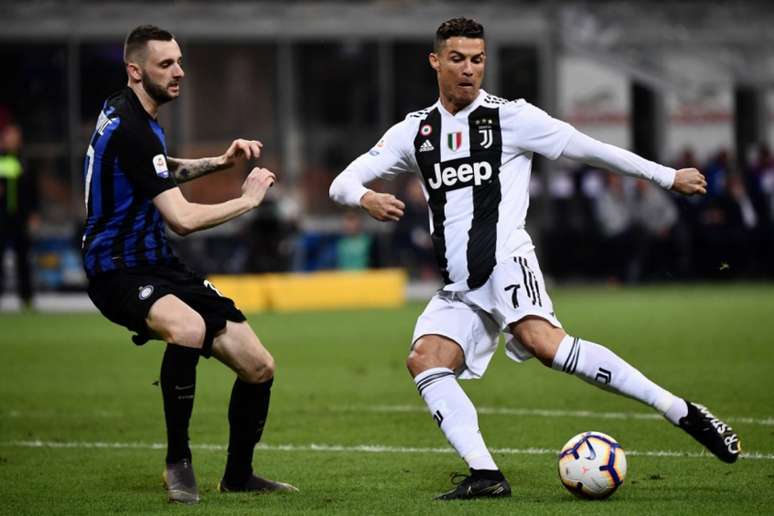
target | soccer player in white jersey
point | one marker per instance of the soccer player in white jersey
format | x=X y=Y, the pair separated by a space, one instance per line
x=473 y=152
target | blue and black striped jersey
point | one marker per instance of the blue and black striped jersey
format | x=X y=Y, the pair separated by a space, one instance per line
x=125 y=168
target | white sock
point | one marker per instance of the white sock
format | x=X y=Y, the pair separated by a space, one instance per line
x=455 y=414
x=601 y=367
x=678 y=410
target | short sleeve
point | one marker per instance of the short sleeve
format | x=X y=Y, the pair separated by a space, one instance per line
x=529 y=128
x=143 y=159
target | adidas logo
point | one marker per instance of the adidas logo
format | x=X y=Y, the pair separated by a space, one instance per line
x=426 y=147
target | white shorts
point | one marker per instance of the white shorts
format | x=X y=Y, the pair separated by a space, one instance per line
x=474 y=319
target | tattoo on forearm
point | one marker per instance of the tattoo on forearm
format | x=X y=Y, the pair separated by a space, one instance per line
x=188 y=169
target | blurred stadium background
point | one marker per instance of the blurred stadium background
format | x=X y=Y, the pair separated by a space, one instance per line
x=683 y=83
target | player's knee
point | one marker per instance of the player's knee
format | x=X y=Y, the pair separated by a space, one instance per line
x=541 y=340
x=429 y=352
x=415 y=363
x=259 y=371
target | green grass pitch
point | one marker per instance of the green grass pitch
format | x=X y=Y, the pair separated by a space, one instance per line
x=81 y=426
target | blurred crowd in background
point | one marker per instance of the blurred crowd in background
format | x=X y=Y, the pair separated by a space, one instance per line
x=683 y=89
x=606 y=226
x=587 y=224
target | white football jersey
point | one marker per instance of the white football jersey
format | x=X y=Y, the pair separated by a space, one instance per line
x=475 y=169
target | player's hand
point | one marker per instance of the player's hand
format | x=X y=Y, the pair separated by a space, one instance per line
x=257 y=183
x=689 y=181
x=382 y=206
x=249 y=149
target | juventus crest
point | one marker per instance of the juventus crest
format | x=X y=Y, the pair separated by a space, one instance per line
x=484 y=128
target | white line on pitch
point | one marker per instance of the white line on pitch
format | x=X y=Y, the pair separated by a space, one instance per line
x=507 y=411
x=359 y=448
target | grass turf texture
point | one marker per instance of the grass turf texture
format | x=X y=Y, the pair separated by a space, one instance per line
x=341 y=381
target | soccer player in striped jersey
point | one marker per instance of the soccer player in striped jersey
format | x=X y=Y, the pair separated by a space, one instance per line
x=473 y=153
x=135 y=279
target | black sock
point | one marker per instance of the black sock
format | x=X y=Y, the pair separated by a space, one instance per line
x=178 y=385
x=489 y=474
x=247 y=412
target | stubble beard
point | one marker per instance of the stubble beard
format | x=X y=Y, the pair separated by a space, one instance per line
x=156 y=91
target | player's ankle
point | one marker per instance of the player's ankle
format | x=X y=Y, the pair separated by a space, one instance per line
x=677 y=411
x=489 y=474
x=236 y=477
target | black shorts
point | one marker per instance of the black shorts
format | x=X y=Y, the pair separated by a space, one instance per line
x=125 y=297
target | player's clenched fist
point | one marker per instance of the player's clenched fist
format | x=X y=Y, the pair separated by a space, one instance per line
x=257 y=183
x=689 y=181
x=382 y=206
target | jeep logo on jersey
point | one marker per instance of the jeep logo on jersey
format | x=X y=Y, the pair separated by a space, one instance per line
x=460 y=176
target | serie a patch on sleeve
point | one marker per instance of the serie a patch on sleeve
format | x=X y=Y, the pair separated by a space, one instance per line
x=160 y=165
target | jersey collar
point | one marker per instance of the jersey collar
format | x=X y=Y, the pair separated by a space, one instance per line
x=467 y=109
x=135 y=101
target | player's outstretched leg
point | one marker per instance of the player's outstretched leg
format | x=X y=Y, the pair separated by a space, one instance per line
x=456 y=416
x=601 y=367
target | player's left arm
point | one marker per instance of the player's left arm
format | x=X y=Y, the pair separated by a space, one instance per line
x=583 y=148
x=187 y=169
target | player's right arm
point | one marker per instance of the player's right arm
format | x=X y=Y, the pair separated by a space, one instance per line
x=143 y=159
x=389 y=157
x=185 y=217
x=187 y=169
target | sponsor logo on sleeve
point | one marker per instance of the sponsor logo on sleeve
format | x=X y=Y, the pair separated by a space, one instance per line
x=160 y=166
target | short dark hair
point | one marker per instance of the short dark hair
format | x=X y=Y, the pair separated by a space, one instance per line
x=457 y=27
x=137 y=40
